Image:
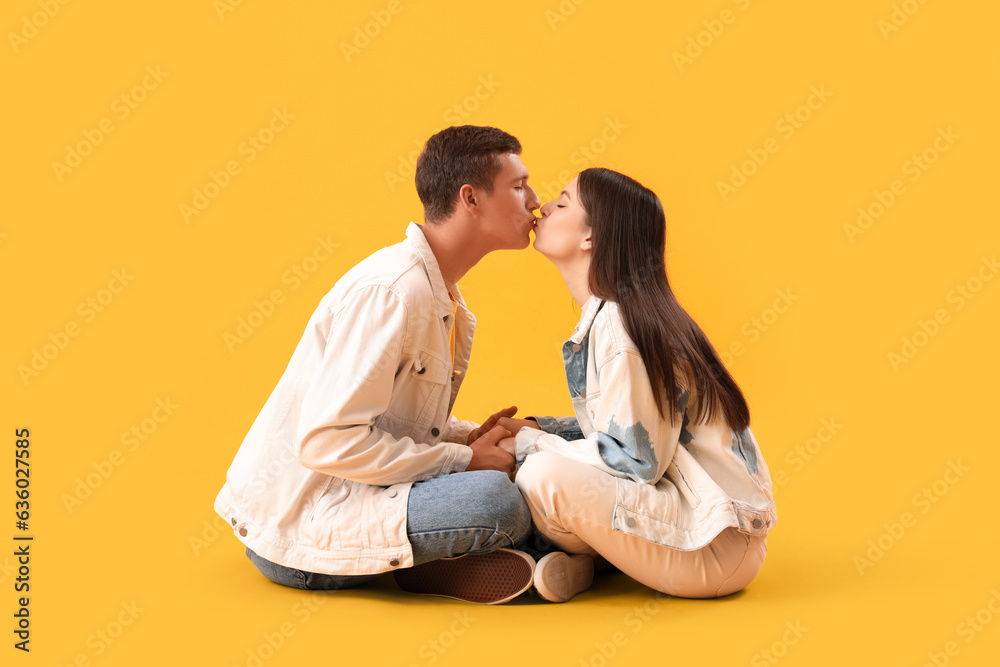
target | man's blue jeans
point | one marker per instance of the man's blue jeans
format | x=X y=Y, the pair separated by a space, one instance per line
x=462 y=513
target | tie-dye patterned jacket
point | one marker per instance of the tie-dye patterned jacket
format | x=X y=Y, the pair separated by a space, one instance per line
x=680 y=485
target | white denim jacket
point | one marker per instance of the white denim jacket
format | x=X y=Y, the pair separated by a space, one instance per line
x=362 y=411
x=680 y=485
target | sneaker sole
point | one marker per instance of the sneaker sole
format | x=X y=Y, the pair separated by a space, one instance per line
x=559 y=576
x=492 y=578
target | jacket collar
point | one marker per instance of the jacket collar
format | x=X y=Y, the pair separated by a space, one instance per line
x=418 y=242
x=590 y=310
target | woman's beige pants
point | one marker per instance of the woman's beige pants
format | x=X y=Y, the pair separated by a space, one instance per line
x=580 y=523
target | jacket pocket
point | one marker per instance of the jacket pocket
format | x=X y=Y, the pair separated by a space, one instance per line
x=420 y=390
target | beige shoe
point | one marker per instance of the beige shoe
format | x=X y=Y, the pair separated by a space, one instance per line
x=492 y=578
x=560 y=576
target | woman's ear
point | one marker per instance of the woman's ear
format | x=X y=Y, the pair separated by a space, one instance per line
x=586 y=244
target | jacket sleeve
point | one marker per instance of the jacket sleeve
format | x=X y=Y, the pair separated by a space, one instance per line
x=630 y=439
x=353 y=386
x=459 y=430
x=567 y=428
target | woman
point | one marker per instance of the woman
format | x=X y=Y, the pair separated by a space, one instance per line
x=659 y=473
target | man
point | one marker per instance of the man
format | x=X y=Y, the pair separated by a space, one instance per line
x=354 y=466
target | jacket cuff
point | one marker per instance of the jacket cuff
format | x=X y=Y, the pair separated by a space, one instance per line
x=526 y=443
x=458 y=459
x=567 y=428
x=460 y=430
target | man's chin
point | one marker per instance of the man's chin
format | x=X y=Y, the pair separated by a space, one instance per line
x=522 y=243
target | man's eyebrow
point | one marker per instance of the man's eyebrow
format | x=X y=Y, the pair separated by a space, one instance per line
x=522 y=177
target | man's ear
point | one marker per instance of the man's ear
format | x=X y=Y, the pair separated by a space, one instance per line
x=467 y=199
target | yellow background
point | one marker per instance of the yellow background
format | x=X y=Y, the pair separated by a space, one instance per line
x=555 y=75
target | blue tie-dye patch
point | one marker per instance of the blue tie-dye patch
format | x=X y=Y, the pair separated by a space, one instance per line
x=576 y=366
x=628 y=449
x=745 y=450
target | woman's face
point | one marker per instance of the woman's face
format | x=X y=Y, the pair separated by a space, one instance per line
x=562 y=233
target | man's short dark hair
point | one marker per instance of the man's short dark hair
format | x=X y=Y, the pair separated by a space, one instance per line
x=456 y=156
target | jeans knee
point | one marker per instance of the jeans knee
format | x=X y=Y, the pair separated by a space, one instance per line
x=279 y=574
x=506 y=507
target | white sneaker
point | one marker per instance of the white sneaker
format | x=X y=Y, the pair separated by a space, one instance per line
x=560 y=576
x=492 y=578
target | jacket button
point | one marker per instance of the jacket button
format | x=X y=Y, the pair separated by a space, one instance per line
x=392 y=493
x=243 y=532
x=234 y=521
x=630 y=521
x=435 y=432
x=576 y=347
x=394 y=562
x=757 y=523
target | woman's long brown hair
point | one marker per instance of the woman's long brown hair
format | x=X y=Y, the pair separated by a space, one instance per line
x=627 y=266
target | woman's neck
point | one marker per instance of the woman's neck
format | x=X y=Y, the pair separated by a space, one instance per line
x=575 y=273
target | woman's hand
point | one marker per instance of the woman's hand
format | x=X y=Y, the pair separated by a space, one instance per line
x=515 y=425
x=509 y=444
x=490 y=423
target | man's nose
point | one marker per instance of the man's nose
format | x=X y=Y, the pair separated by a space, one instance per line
x=534 y=202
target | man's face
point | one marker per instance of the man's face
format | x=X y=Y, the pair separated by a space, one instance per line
x=506 y=215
